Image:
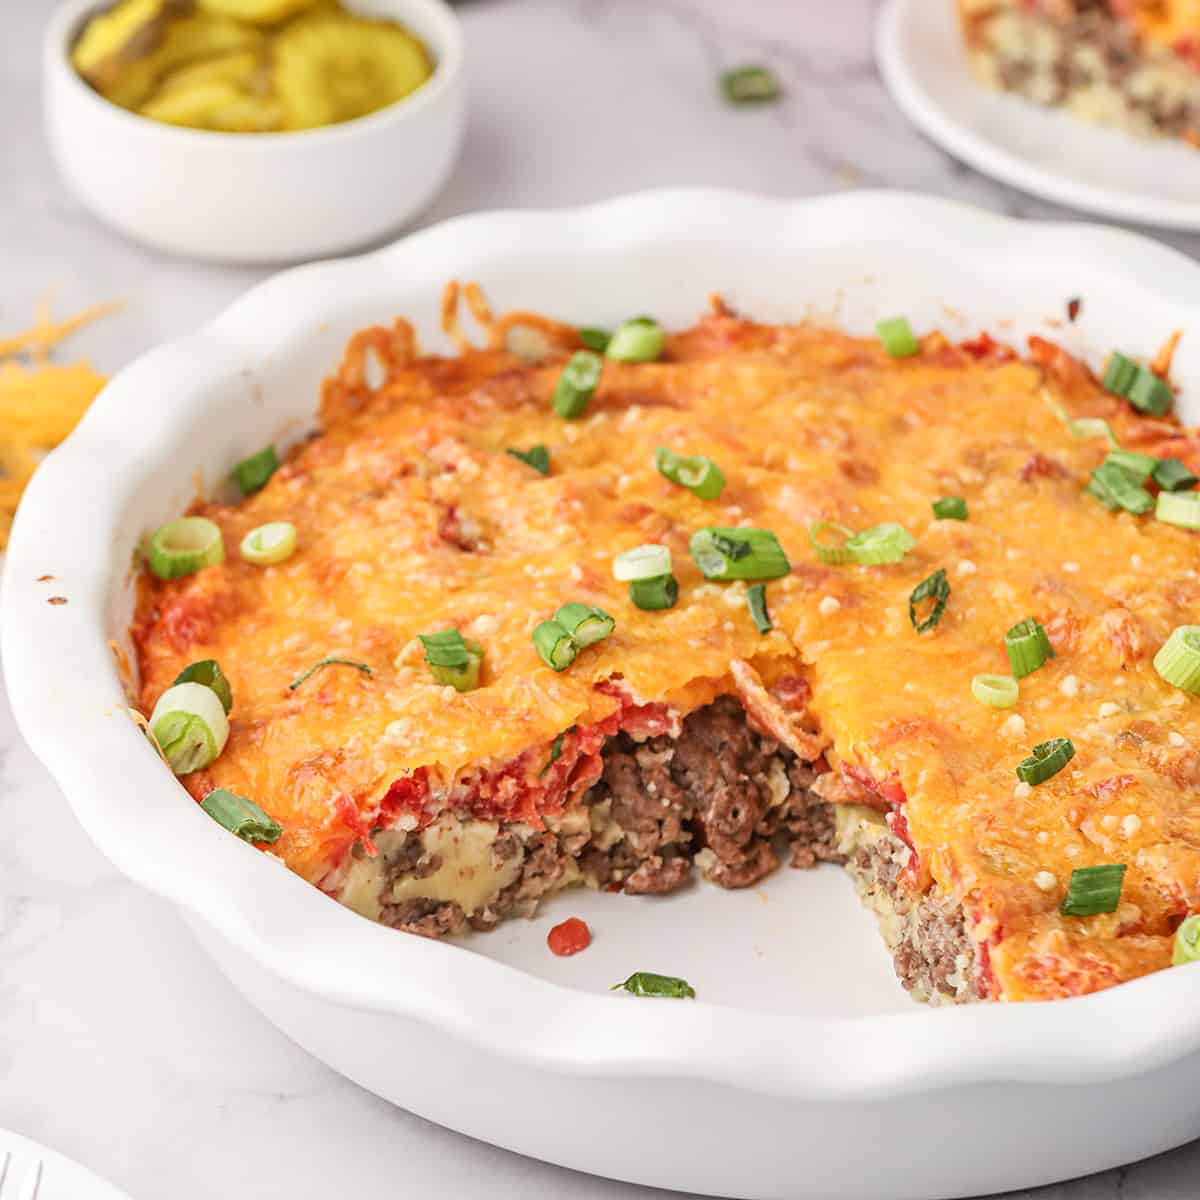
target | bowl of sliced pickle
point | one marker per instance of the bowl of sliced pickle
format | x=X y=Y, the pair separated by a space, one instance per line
x=255 y=131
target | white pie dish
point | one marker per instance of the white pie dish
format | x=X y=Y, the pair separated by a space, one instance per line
x=259 y=198
x=802 y=1070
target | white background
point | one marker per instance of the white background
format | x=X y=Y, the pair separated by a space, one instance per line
x=120 y=1044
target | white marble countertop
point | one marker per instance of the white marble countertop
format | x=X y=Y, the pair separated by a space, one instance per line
x=120 y=1044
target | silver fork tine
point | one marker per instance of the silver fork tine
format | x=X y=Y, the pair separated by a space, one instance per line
x=4 y=1170
x=33 y=1182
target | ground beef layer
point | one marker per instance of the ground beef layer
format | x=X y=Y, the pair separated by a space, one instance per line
x=721 y=801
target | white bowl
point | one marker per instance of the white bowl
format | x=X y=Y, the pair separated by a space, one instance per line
x=257 y=198
x=802 y=1071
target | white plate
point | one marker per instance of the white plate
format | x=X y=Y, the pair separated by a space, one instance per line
x=59 y=1178
x=802 y=1071
x=1049 y=153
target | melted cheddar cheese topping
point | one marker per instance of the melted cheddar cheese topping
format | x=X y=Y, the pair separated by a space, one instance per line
x=413 y=517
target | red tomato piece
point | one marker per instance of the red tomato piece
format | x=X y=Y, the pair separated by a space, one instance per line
x=570 y=937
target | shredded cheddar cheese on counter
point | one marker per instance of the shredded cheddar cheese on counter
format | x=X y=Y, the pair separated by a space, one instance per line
x=40 y=401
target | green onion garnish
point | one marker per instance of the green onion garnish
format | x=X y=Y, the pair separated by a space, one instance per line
x=537 y=457
x=724 y=553
x=556 y=748
x=831 y=555
x=190 y=726
x=1116 y=488
x=639 y=340
x=252 y=473
x=935 y=588
x=950 y=508
x=1045 y=760
x=1119 y=374
x=209 y=673
x=185 y=546
x=1179 y=508
x=886 y=543
x=1093 y=890
x=1178 y=659
x=595 y=338
x=750 y=85
x=642 y=562
x=554 y=645
x=454 y=660
x=646 y=983
x=269 y=544
x=756 y=598
x=700 y=475
x=329 y=661
x=241 y=816
x=898 y=338
x=1187 y=941
x=1140 y=466
x=655 y=594
x=1137 y=384
x=1087 y=427
x=1028 y=647
x=1172 y=475
x=996 y=691
x=1150 y=394
x=584 y=623
x=575 y=385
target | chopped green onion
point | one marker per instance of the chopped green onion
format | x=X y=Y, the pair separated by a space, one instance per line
x=1087 y=427
x=573 y=391
x=209 y=673
x=1178 y=659
x=935 y=588
x=1116 y=488
x=329 y=661
x=1179 y=508
x=646 y=983
x=554 y=645
x=1150 y=394
x=595 y=338
x=454 y=660
x=725 y=553
x=241 y=816
x=898 y=338
x=750 y=85
x=950 y=508
x=1028 y=647
x=700 y=475
x=252 y=473
x=756 y=598
x=1187 y=941
x=886 y=543
x=639 y=340
x=1172 y=475
x=556 y=748
x=269 y=544
x=1093 y=890
x=537 y=457
x=585 y=623
x=831 y=555
x=996 y=691
x=642 y=562
x=1046 y=760
x=185 y=546
x=190 y=726
x=1119 y=374
x=653 y=595
x=1140 y=466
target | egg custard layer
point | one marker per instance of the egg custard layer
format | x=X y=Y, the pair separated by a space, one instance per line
x=688 y=739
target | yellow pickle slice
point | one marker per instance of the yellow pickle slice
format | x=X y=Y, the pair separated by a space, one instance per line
x=256 y=12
